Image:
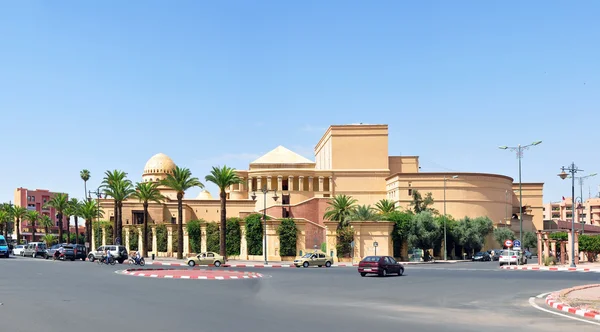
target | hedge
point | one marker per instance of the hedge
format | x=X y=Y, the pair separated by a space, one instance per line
x=287 y=232
x=161 y=238
x=108 y=229
x=254 y=234
x=233 y=240
x=133 y=239
x=212 y=237
x=195 y=235
x=175 y=240
x=345 y=236
x=97 y=234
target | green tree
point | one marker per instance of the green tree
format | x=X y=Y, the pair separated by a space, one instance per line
x=529 y=240
x=341 y=209
x=73 y=210
x=19 y=212
x=194 y=228
x=46 y=222
x=162 y=238
x=421 y=204
x=386 y=206
x=180 y=180
x=85 y=176
x=345 y=236
x=116 y=185
x=234 y=236
x=590 y=244
x=133 y=238
x=4 y=217
x=49 y=239
x=471 y=232
x=212 y=237
x=146 y=192
x=223 y=177
x=89 y=211
x=60 y=203
x=451 y=239
x=423 y=231
x=365 y=213
x=32 y=217
x=254 y=234
x=288 y=234
x=559 y=236
x=502 y=234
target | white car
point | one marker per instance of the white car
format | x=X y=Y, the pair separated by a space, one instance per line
x=18 y=250
x=510 y=257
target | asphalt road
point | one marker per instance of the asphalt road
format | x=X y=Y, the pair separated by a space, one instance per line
x=38 y=295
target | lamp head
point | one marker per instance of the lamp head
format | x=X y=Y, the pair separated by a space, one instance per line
x=536 y=143
x=504 y=147
x=563 y=175
x=253 y=196
x=275 y=197
x=455 y=177
x=593 y=174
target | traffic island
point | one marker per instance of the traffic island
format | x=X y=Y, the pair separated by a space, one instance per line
x=191 y=274
x=591 y=267
x=583 y=301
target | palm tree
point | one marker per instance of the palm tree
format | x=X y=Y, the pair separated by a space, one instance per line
x=19 y=212
x=75 y=211
x=120 y=188
x=49 y=239
x=46 y=222
x=89 y=211
x=180 y=180
x=340 y=209
x=385 y=206
x=4 y=217
x=223 y=177
x=60 y=203
x=147 y=192
x=32 y=217
x=85 y=176
x=365 y=213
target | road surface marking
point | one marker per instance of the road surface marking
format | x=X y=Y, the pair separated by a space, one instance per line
x=533 y=304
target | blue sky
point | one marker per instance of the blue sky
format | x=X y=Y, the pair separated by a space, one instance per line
x=106 y=85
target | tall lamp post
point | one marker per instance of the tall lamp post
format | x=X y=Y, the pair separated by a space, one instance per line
x=580 y=208
x=445 y=249
x=265 y=191
x=519 y=149
x=563 y=175
x=98 y=196
x=581 y=180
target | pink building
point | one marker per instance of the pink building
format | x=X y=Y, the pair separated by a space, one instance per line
x=35 y=200
x=587 y=213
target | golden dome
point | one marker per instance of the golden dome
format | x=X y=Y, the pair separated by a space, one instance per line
x=204 y=194
x=160 y=163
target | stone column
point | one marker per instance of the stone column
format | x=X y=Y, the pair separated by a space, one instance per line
x=154 y=245
x=563 y=252
x=540 y=248
x=301 y=183
x=553 y=246
x=259 y=183
x=320 y=183
x=269 y=182
x=126 y=231
x=310 y=183
x=203 y=237
x=93 y=239
x=141 y=239
x=243 y=243
x=103 y=229
x=291 y=183
x=546 y=246
x=576 y=247
x=279 y=182
x=169 y=241
x=186 y=242
x=250 y=184
x=331 y=184
x=569 y=239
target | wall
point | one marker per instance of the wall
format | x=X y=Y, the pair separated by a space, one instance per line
x=403 y=164
x=533 y=200
x=354 y=147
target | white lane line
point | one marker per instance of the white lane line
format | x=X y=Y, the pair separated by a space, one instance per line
x=543 y=295
x=533 y=304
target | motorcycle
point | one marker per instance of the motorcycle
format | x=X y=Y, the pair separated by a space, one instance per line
x=132 y=261
x=111 y=260
x=58 y=255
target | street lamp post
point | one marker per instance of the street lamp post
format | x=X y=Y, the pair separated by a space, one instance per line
x=265 y=191
x=563 y=175
x=580 y=209
x=519 y=149
x=98 y=196
x=445 y=247
x=581 y=179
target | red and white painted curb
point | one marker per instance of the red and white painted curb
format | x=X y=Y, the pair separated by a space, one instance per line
x=271 y=265
x=548 y=268
x=575 y=311
x=149 y=273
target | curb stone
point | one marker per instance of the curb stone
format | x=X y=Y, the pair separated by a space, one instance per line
x=148 y=273
x=568 y=309
x=547 y=268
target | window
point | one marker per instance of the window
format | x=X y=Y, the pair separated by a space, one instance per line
x=321 y=255
x=173 y=220
x=409 y=192
x=210 y=255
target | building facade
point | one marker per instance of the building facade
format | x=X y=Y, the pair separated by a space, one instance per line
x=35 y=200
x=351 y=160
x=587 y=213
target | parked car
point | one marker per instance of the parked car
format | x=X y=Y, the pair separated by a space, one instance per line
x=511 y=257
x=4 y=249
x=481 y=257
x=380 y=265
x=497 y=253
x=317 y=258
x=118 y=252
x=206 y=258
x=18 y=250
x=80 y=251
x=35 y=249
x=69 y=251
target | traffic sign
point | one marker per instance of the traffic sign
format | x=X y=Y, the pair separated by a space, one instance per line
x=508 y=243
x=517 y=244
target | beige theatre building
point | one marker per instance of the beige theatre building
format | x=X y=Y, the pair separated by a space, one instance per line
x=349 y=159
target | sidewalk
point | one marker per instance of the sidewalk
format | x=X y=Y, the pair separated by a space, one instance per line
x=582 y=301
x=169 y=261
x=582 y=267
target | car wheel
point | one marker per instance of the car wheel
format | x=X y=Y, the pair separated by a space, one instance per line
x=401 y=271
x=83 y=259
x=91 y=258
x=191 y=263
x=362 y=274
x=217 y=264
x=328 y=264
x=305 y=264
x=72 y=259
x=319 y=265
x=384 y=273
x=34 y=254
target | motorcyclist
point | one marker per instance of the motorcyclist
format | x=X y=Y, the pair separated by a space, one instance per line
x=58 y=252
x=138 y=257
x=107 y=256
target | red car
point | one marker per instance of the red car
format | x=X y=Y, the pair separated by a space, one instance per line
x=380 y=265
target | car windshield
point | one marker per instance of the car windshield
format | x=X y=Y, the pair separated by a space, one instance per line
x=307 y=256
x=371 y=259
x=479 y=254
x=2 y=242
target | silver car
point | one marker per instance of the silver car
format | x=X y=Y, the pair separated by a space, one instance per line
x=118 y=252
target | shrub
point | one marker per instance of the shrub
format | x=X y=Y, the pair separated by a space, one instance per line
x=287 y=232
x=590 y=245
x=233 y=238
x=560 y=236
x=97 y=234
x=195 y=235
x=551 y=260
x=345 y=236
x=254 y=234
x=175 y=240
x=324 y=247
x=133 y=238
x=212 y=237
x=161 y=238
x=108 y=230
